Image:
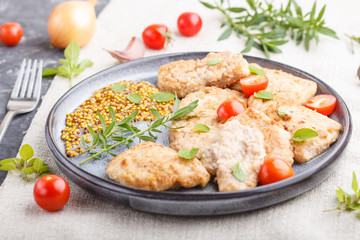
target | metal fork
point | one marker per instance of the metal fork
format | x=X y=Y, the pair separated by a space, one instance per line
x=25 y=94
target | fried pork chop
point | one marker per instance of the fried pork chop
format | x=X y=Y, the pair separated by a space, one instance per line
x=277 y=139
x=287 y=89
x=327 y=128
x=235 y=143
x=184 y=77
x=154 y=167
x=209 y=100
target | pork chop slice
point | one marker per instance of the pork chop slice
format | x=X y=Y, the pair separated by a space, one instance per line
x=187 y=76
x=154 y=167
x=277 y=139
x=209 y=100
x=328 y=132
x=235 y=144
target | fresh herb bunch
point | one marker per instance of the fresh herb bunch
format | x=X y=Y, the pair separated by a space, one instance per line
x=265 y=26
x=346 y=201
x=29 y=168
x=116 y=132
x=70 y=67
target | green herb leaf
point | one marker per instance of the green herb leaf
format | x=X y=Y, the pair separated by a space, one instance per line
x=72 y=52
x=28 y=170
x=118 y=87
x=43 y=169
x=51 y=71
x=208 y=5
x=26 y=152
x=188 y=153
x=340 y=195
x=256 y=71
x=201 y=128
x=155 y=112
x=226 y=34
x=213 y=61
x=102 y=120
x=85 y=63
x=162 y=96
x=185 y=110
x=147 y=138
x=134 y=97
x=283 y=111
x=8 y=166
x=304 y=134
x=354 y=184
x=238 y=172
x=264 y=95
x=112 y=114
x=8 y=160
x=38 y=163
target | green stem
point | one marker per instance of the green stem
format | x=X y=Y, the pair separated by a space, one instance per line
x=116 y=144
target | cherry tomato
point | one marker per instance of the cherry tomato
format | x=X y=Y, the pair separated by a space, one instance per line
x=156 y=36
x=189 y=24
x=51 y=192
x=10 y=33
x=254 y=83
x=230 y=108
x=274 y=170
x=322 y=103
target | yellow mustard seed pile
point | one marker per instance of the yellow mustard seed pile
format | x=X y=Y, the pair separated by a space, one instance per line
x=86 y=114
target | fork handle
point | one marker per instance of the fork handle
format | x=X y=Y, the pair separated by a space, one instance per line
x=5 y=123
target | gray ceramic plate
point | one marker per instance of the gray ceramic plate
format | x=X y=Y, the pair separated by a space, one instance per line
x=195 y=201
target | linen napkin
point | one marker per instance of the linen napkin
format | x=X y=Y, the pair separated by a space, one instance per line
x=88 y=216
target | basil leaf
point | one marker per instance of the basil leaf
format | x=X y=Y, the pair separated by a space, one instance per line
x=85 y=63
x=44 y=168
x=283 y=111
x=354 y=184
x=214 y=61
x=264 y=94
x=201 y=128
x=135 y=98
x=162 y=96
x=8 y=160
x=118 y=87
x=28 y=170
x=340 y=195
x=72 y=52
x=50 y=71
x=188 y=153
x=256 y=71
x=238 y=172
x=304 y=134
x=8 y=166
x=38 y=163
x=26 y=152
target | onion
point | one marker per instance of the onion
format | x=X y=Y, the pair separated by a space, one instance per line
x=72 y=20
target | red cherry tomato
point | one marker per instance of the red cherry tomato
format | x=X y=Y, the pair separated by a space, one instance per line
x=10 y=33
x=230 y=108
x=322 y=103
x=254 y=83
x=189 y=24
x=274 y=170
x=156 y=36
x=51 y=192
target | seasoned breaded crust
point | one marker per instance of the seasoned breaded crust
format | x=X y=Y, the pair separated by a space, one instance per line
x=184 y=77
x=209 y=100
x=328 y=130
x=287 y=89
x=235 y=143
x=277 y=139
x=154 y=167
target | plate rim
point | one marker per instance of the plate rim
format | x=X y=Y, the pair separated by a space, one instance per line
x=189 y=196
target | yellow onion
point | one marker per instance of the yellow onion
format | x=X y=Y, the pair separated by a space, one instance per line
x=72 y=20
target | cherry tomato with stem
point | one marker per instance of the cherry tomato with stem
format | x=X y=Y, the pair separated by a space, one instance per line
x=189 y=24
x=230 y=108
x=323 y=103
x=156 y=36
x=10 y=33
x=51 y=192
x=254 y=83
x=274 y=170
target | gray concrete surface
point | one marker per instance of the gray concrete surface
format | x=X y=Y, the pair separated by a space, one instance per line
x=35 y=44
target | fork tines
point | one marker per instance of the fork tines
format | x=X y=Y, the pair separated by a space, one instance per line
x=28 y=85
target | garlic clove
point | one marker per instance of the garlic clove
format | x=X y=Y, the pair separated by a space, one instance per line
x=134 y=50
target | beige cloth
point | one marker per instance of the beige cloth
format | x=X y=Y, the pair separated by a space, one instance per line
x=88 y=217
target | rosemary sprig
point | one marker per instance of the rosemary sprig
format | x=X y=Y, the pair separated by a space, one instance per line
x=116 y=131
x=266 y=26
